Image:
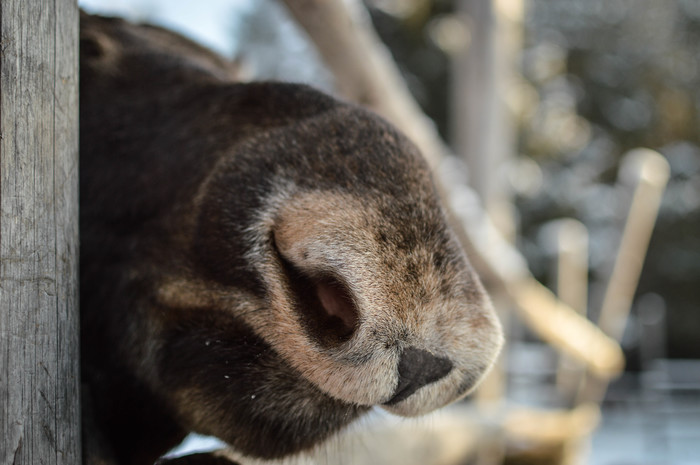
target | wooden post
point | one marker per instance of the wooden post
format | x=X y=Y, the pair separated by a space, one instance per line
x=482 y=126
x=39 y=366
x=572 y=288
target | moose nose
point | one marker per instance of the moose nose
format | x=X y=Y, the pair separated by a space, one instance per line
x=418 y=368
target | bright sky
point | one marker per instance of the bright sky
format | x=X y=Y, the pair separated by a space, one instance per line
x=209 y=22
x=280 y=54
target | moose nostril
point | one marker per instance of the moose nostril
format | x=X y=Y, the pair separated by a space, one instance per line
x=418 y=368
x=324 y=303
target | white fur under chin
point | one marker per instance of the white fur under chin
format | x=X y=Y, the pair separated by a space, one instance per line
x=447 y=436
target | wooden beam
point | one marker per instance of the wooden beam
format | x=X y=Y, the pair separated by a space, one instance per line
x=483 y=70
x=39 y=367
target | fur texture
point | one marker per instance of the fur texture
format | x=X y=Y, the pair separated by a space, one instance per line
x=260 y=262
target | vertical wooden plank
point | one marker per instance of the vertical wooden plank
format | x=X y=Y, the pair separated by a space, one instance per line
x=483 y=73
x=475 y=110
x=571 y=239
x=39 y=370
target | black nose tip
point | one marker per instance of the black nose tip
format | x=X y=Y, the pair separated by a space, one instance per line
x=418 y=368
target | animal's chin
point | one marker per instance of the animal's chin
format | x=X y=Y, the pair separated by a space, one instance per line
x=282 y=436
x=434 y=396
x=227 y=382
x=415 y=406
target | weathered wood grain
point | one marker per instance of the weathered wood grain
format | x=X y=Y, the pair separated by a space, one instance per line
x=39 y=369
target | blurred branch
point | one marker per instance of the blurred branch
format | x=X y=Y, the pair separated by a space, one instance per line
x=363 y=68
x=365 y=73
x=648 y=171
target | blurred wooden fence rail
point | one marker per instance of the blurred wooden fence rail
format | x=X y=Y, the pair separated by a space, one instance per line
x=39 y=369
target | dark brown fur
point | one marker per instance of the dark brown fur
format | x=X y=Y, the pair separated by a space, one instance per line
x=218 y=220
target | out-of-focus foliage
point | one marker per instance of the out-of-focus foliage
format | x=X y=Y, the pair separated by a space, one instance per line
x=612 y=75
x=598 y=78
